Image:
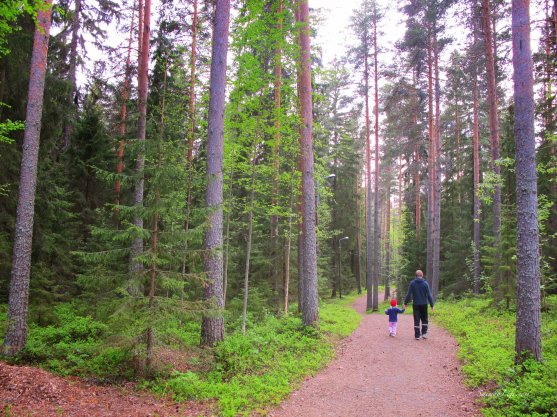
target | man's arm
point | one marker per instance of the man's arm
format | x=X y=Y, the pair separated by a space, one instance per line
x=408 y=294
x=429 y=296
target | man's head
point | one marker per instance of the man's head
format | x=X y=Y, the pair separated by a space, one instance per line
x=419 y=273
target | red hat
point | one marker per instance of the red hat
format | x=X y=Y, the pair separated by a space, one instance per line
x=393 y=303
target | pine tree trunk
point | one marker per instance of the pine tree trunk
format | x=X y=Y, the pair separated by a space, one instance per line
x=493 y=127
x=212 y=328
x=16 y=334
x=191 y=139
x=72 y=99
x=276 y=159
x=142 y=93
x=369 y=247
x=476 y=212
x=227 y=241
x=417 y=185
x=287 y=249
x=310 y=311
x=124 y=112
x=528 y=315
x=431 y=166
x=248 y=251
x=458 y=167
x=376 y=243
x=155 y=235
x=358 y=236
x=437 y=167
x=388 y=246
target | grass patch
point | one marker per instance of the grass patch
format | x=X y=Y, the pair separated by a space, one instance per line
x=258 y=370
x=486 y=337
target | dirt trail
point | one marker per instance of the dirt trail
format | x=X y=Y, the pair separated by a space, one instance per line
x=375 y=375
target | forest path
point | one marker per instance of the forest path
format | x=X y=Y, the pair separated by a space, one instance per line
x=375 y=375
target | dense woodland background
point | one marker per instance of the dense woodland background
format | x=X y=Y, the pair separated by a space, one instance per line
x=414 y=161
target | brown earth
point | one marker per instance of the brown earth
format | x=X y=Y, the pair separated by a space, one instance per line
x=375 y=375
x=27 y=391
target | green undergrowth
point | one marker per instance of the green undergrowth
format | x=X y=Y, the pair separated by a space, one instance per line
x=74 y=345
x=255 y=371
x=486 y=337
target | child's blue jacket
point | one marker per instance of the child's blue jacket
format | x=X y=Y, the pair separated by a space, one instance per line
x=393 y=312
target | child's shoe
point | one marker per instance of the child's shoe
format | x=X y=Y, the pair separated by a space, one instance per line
x=392 y=334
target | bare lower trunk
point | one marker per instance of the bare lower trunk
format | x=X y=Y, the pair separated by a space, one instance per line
x=310 y=311
x=16 y=334
x=212 y=328
x=528 y=315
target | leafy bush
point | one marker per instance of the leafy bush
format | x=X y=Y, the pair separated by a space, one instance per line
x=486 y=337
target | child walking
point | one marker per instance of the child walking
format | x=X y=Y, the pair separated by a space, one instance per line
x=393 y=311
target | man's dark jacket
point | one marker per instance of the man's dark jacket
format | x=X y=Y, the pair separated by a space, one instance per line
x=419 y=291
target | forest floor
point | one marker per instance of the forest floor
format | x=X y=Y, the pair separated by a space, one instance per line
x=375 y=375
x=26 y=391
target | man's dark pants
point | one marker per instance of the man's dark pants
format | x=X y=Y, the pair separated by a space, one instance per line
x=420 y=314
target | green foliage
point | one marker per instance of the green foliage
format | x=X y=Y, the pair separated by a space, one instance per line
x=259 y=369
x=74 y=346
x=486 y=338
x=10 y=10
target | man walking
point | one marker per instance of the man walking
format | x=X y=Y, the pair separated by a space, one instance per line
x=420 y=293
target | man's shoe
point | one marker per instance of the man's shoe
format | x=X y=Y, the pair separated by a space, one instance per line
x=424 y=335
x=418 y=338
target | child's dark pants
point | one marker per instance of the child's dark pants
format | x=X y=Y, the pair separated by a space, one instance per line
x=420 y=314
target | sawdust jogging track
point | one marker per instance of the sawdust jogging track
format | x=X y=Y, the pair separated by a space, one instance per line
x=375 y=375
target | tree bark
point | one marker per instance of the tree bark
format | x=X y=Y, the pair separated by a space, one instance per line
x=437 y=166
x=310 y=311
x=528 y=315
x=16 y=334
x=276 y=159
x=388 y=245
x=476 y=211
x=248 y=251
x=288 y=245
x=493 y=127
x=155 y=235
x=72 y=101
x=417 y=185
x=358 y=236
x=369 y=245
x=376 y=243
x=124 y=112
x=212 y=328
x=142 y=94
x=431 y=164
